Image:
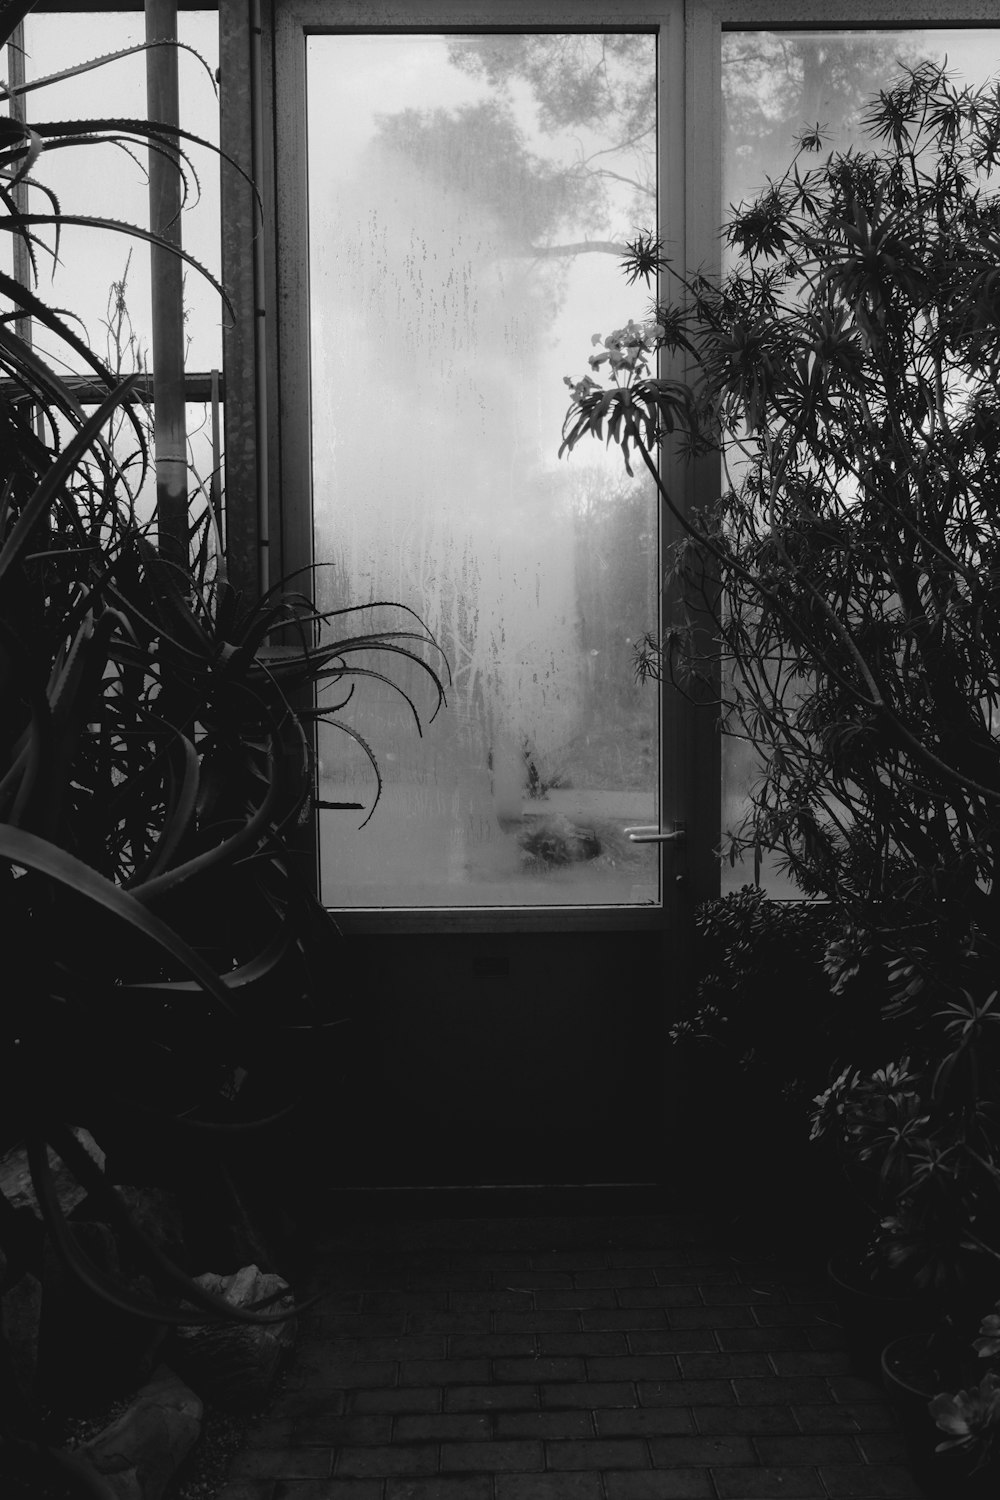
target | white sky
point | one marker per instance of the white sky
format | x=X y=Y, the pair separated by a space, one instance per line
x=105 y=182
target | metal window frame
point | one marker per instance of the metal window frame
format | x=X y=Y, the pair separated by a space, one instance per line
x=290 y=438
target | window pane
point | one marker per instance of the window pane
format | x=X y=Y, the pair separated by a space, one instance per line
x=776 y=85
x=465 y=245
x=105 y=181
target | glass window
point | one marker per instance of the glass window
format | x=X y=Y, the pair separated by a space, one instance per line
x=467 y=218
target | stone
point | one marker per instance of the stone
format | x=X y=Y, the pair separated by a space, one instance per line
x=138 y=1454
x=158 y=1215
x=234 y=1365
x=20 y=1320
x=554 y=840
x=15 y=1176
x=89 y=1350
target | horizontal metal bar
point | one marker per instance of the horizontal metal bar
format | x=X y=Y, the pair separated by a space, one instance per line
x=89 y=392
x=650 y=834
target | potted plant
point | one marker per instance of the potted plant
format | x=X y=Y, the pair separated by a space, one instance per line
x=837 y=603
x=176 y=977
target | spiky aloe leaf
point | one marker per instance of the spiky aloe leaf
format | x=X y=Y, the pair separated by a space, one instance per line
x=18 y=140
x=25 y=849
x=99 y=62
x=119 y=226
x=27 y=365
x=227 y=850
x=262 y=966
x=12 y=13
x=369 y=752
x=90 y=1176
x=179 y=814
x=56 y=476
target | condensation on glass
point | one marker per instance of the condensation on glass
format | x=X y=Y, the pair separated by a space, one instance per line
x=463 y=250
x=775 y=86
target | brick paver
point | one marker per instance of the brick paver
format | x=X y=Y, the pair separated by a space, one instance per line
x=637 y=1358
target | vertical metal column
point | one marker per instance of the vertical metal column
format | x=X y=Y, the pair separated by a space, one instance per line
x=22 y=260
x=246 y=231
x=167 y=279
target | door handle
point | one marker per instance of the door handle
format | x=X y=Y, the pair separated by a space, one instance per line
x=650 y=834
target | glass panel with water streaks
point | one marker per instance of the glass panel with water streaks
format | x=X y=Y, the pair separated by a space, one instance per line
x=469 y=201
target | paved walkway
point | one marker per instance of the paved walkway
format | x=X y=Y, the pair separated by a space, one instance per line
x=626 y=1358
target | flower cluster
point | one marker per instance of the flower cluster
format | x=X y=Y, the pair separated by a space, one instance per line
x=628 y=348
x=970 y=1418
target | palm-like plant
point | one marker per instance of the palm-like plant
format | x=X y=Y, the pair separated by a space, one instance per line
x=845 y=577
x=843 y=587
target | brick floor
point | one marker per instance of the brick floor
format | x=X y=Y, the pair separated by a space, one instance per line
x=630 y=1358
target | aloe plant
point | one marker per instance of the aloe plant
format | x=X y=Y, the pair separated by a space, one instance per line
x=155 y=768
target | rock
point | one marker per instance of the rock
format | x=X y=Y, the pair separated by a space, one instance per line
x=233 y=1365
x=554 y=840
x=89 y=1350
x=139 y=1453
x=15 y=1176
x=29 y=1471
x=157 y=1213
x=20 y=1319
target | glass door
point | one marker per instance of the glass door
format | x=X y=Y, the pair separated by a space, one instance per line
x=454 y=199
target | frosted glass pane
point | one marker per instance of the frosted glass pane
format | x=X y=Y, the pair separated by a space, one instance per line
x=774 y=86
x=465 y=243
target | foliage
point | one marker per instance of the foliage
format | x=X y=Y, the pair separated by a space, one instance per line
x=753 y=1046
x=155 y=772
x=846 y=369
x=920 y=1138
x=772 y=82
x=839 y=602
x=759 y=1004
x=970 y=1418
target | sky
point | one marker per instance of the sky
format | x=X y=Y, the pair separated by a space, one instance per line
x=103 y=181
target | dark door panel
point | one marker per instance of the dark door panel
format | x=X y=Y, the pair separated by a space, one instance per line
x=521 y=1058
